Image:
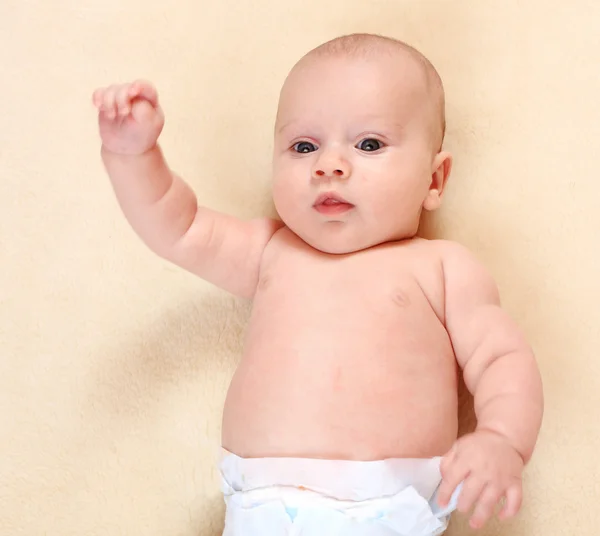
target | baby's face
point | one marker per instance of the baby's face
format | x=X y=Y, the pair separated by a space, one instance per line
x=354 y=152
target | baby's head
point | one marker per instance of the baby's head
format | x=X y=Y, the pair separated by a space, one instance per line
x=360 y=120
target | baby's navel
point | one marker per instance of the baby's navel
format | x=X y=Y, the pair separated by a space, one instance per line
x=337 y=379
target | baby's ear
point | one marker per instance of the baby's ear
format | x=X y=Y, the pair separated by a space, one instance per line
x=440 y=172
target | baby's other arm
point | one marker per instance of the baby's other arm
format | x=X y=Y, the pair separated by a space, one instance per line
x=161 y=208
x=498 y=365
x=500 y=370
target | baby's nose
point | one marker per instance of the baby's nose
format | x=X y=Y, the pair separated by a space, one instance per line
x=338 y=172
x=330 y=166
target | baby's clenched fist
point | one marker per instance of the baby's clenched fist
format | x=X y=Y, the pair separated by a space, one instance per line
x=130 y=118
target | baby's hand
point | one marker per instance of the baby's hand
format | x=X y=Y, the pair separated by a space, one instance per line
x=130 y=118
x=490 y=469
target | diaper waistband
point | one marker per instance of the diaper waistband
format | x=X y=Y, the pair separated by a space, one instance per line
x=338 y=479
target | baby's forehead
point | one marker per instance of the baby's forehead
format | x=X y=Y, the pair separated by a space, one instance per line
x=391 y=62
x=395 y=75
x=373 y=85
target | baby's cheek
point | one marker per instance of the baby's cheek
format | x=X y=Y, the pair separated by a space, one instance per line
x=287 y=196
x=387 y=205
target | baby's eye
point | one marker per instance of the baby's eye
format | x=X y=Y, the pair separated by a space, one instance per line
x=304 y=147
x=369 y=145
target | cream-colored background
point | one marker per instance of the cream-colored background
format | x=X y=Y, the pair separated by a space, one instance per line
x=114 y=365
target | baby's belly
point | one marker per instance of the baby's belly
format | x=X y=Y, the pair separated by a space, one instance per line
x=348 y=391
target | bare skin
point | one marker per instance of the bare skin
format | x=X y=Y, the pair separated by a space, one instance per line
x=358 y=328
x=367 y=390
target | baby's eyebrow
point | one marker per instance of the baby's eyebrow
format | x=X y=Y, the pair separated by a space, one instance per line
x=285 y=126
x=381 y=120
x=375 y=123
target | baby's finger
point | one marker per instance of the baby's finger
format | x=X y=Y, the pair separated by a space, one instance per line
x=452 y=476
x=144 y=90
x=447 y=461
x=123 y=100
x=97 y=97
x=108 y=102
x=486 y=505
x=469 y=494
x=513 y=498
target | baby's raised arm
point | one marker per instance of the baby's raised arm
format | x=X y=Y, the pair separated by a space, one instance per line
x=161 y=208
x=501 y=372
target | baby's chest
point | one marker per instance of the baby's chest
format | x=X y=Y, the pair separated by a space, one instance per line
x=374 y=282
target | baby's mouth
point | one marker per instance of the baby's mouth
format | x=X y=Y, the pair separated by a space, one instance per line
x=331 y=203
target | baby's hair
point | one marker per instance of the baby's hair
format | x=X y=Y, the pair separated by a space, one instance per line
x=364 y=44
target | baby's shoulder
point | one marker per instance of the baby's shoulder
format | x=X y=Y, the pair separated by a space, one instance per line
x=448 y=250
x=462 y=267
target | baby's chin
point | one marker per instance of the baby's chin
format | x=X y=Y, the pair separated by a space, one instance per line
x=325 y=246
x=341 y=243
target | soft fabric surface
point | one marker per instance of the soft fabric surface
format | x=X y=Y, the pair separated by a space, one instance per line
x=114 y=364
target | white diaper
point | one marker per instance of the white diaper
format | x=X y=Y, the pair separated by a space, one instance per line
x=308 y=497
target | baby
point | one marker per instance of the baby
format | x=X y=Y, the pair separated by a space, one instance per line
x=342 y=415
